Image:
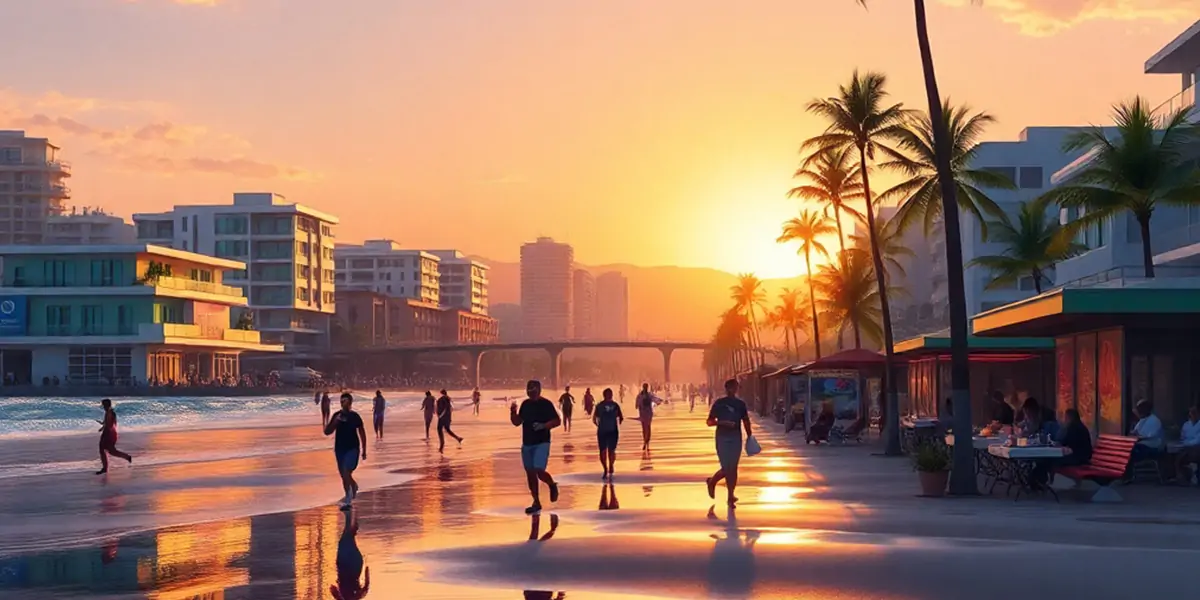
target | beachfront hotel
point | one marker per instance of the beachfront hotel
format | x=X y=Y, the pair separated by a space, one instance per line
x=32 y=187
x=383 y=266
x=462 y=282
x=547 y=290
x=116 y=314
x=287 y=248
x=88 y=226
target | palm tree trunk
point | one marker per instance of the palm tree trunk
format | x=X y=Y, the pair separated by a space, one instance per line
x=812 y=302
x=962 y=473
x=1037 y=281
x=857 y=338
x=1147 y=253
x=892 y=433
x=837 y=217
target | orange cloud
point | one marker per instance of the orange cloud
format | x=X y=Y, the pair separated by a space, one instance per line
x=139 y=137
x=1046 y=17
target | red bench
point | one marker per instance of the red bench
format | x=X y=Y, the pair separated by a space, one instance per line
x=1110 y=457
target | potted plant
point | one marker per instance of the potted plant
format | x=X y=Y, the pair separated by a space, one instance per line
x=931 y=461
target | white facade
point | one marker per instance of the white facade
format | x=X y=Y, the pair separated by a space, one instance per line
x=612 y=306
x=1115 y=247
x=88 y=226
x=463 y=281
x=384 y=267
x=547 y=289
x=32 y=187
x=288 y=251
x=584 y=297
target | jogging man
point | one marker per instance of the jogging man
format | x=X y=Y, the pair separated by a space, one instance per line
x=377 y=409
x=608 y=419
x=351 y=439
x=444 y=409
x=428 y=405
x=536 y=418
x=729 y=415
x=567 y=402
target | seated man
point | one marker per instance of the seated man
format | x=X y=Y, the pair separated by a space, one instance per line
x=1189 y=436
x=1149 y=431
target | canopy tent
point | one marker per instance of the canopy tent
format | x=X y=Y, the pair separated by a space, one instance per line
x=846 y=359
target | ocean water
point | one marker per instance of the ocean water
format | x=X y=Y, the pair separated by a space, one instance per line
x=56 y=416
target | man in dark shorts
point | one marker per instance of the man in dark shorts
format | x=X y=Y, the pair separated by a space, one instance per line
x=377 y=409
x=536 y=418
x=729 y=415
x=351 y=439
x=567 y=402
x=325 y=402
x=608 y=419
x=444 y=410
x=108 y=437
x=429 y=407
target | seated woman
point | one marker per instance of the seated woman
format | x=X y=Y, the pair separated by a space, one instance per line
x=1075 y=437
x=1050 y=425
x=819 y=431
x=1031 y=418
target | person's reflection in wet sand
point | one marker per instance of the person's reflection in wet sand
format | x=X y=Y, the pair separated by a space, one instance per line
x=350 y=564
x=535 y=595
x=608 y=498
x=731 y=568
x=535 y=527
x=568 y=453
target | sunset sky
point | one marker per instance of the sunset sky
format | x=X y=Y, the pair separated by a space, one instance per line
x=643 y=131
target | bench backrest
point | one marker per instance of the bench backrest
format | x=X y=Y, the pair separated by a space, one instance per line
x=1112 y=452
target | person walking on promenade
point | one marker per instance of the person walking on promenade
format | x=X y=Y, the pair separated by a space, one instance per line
x=536 y=417
x=475 y=397
x=429 y=407
x=645 y=407
x=567 y=402
x=608 y=419
x=589 y=401
x=325 y=402
x=621 y=391
x=350 y=441
x=729 y=416
x=444 y=410
x=378 y=407
x=108 y=437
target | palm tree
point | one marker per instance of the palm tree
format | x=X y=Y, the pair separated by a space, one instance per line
x=1033 y=245
x=724 y=357
x=891 y=244
x=808 y=229
x=919 y=195
x=746 y=295
x=962 y=475
x=830 y=179
x=787 y=316
x=1143 y=167
x=859 y=118
x=850 y=292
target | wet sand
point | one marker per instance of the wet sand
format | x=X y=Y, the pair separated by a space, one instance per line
x=188 y=520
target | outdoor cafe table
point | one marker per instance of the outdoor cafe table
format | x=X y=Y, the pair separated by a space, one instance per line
x=985 y=464
x=1017 y=464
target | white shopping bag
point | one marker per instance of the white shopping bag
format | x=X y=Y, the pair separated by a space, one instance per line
x=752 y=446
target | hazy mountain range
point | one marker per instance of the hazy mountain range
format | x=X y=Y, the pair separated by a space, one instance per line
x=664 y=302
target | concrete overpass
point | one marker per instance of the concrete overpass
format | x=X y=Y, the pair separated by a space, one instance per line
x=475 y=351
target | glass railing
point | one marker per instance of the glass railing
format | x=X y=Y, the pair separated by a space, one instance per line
x=1182 y=100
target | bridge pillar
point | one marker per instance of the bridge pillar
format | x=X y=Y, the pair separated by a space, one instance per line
x=473 y=361
x=666 y=352
x=555 y=353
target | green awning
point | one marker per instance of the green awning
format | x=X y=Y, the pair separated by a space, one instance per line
x=1069 y=310
x=940 y=342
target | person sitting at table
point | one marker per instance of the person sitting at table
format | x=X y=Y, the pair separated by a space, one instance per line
x=819 y=431
x=1149 y=431
x=1189 y=438
x=1076 y=440
x=1031 y=418
x=1002 y=413
x=1050 y=425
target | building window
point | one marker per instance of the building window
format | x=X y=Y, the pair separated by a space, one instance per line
x=98 y=364
x=92 y=321
x=106 y=272
x=185 y=245
x=230 y=224
x=183 y=224
x=362 y=263
x=302 y=294
x=124 y=320
x=1008 y=172
x=58 y=273
x=232 y=248
x=1031 y=178
x=58 y=320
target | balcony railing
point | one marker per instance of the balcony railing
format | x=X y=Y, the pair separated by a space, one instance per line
x=1184 y=99
x=56 y=165
x=208 y=287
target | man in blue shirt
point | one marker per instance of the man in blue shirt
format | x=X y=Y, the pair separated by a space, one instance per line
x=351 y=439
x=729 y=416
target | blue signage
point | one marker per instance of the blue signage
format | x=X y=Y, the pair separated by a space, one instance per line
x=14 y=315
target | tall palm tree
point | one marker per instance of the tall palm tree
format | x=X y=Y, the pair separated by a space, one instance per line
x=1032 y=246
x=920 y=196
x=849 y=291
x=808 y=229
x=860 y=118
x=1143 y=167
x=788 y=317
x=962 y=474
x=747 y=294
x=831 y=179
x=891 y=244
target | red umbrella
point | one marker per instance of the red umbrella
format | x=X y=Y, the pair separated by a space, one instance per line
x=846 y=359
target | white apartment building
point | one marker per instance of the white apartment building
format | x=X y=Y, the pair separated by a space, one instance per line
x=547 y=289
x=463 y=282
x=1115 y=247
x=585 y=305
x=612 y=306
x=32 y=187
x=288 y=251
x=384 y=267
x=88 y=226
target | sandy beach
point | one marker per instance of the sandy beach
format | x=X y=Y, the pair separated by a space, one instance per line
x=249 y=513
